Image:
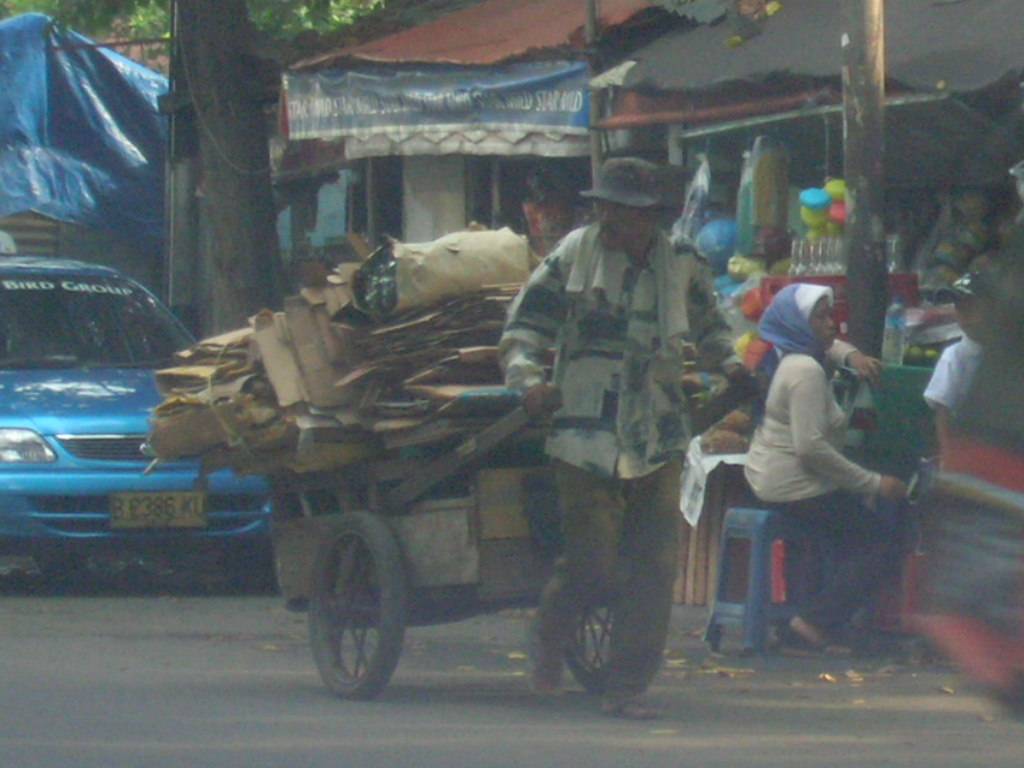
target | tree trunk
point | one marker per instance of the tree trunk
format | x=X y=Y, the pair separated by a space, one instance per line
x=864 y=129
x=240 y=252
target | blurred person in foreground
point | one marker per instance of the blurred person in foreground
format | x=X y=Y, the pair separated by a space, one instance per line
x=795 y=461
x=974 y=542
x=619 y=306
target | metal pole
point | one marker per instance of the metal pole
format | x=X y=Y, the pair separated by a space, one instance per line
x=592 y=32
x=863 y=44
x=370 y=185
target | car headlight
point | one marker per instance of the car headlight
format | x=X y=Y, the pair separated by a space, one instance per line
x=23 y=446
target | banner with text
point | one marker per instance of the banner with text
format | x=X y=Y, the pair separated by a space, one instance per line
x=529 y=96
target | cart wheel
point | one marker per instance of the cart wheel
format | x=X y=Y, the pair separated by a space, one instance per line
x=587 y=655
x=357 y=609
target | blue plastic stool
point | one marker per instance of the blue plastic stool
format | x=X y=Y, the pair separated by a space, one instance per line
x=759 y=528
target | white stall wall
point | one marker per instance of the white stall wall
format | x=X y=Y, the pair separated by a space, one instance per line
x=434 y=196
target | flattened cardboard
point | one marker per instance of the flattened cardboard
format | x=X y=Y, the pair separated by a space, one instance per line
x=318 y=374
x=278 y=361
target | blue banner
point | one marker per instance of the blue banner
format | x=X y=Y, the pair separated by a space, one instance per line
x=528 y=96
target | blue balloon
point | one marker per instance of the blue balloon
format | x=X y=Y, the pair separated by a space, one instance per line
x=716 y=241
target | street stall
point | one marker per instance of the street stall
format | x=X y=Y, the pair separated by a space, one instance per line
x=448 y=123
x=753 y=110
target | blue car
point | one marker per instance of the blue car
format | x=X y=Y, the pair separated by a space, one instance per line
x=79 y=344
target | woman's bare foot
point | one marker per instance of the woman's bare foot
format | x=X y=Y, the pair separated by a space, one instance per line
x=809 y=633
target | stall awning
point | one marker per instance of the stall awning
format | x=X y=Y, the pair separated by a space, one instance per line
x=526 y=108
x=488 y=33
x=959 y=46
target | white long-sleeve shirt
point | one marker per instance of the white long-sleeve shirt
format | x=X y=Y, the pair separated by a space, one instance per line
x=796 y=452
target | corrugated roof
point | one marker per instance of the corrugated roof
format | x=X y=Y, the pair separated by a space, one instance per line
x=488 y=33
x=961 y=46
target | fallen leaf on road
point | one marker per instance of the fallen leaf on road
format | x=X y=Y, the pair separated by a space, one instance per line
x=946 y=689
x=733 y=672
x=270 y=647
x=825 y=677
x=517 y=656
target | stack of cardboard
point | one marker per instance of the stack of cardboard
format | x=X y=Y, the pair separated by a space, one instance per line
x=321 y=383
x=216 y=397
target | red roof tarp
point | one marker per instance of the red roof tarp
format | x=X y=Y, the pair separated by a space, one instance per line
x=494 y=31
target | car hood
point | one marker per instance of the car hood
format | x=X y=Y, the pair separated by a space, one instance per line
x=97 y=401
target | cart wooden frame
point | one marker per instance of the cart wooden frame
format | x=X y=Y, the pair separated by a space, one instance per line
x=393 y=541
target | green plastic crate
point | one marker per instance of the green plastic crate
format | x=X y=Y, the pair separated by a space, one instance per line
x=905 y=424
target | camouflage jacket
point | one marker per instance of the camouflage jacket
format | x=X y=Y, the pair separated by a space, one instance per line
x=621 y=335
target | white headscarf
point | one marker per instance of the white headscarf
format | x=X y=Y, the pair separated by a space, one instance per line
x=808 y=295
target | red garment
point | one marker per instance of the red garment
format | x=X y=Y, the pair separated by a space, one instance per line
x=547 y=223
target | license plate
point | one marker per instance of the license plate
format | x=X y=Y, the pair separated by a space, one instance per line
x=182 y=509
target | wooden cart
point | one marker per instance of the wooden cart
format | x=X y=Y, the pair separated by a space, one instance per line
x=423 y=536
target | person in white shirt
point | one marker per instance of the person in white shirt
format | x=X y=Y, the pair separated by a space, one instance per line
x=955 y=370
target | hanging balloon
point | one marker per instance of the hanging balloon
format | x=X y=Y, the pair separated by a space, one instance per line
x=815 y=198
x=836 y=189
x=814 y=218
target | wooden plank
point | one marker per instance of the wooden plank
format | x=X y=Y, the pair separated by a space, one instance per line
x=469 y=450
x=715 y=518
x=691 y=564
x=701 y=592
x=679 y=587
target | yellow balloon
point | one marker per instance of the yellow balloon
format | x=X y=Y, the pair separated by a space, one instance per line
x=813 y=218
x=836 y=189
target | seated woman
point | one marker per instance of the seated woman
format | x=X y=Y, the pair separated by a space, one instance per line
x=795 y=461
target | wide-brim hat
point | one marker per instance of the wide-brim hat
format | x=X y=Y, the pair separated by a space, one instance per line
x=627 y=181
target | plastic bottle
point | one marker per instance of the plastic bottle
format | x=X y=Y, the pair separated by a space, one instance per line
x=894 y=335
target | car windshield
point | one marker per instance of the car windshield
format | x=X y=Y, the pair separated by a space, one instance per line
x=60 y=322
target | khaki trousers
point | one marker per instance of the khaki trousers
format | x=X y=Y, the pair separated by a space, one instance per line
x=621 y=548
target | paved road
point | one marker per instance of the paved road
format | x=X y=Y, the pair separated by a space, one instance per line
x=223 y=681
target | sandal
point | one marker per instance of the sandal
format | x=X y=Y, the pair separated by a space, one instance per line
x=629 y=709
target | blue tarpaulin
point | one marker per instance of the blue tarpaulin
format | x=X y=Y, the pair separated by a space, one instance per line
x=81 y=138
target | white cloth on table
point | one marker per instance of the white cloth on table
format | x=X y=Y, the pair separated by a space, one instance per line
x=695 y=475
